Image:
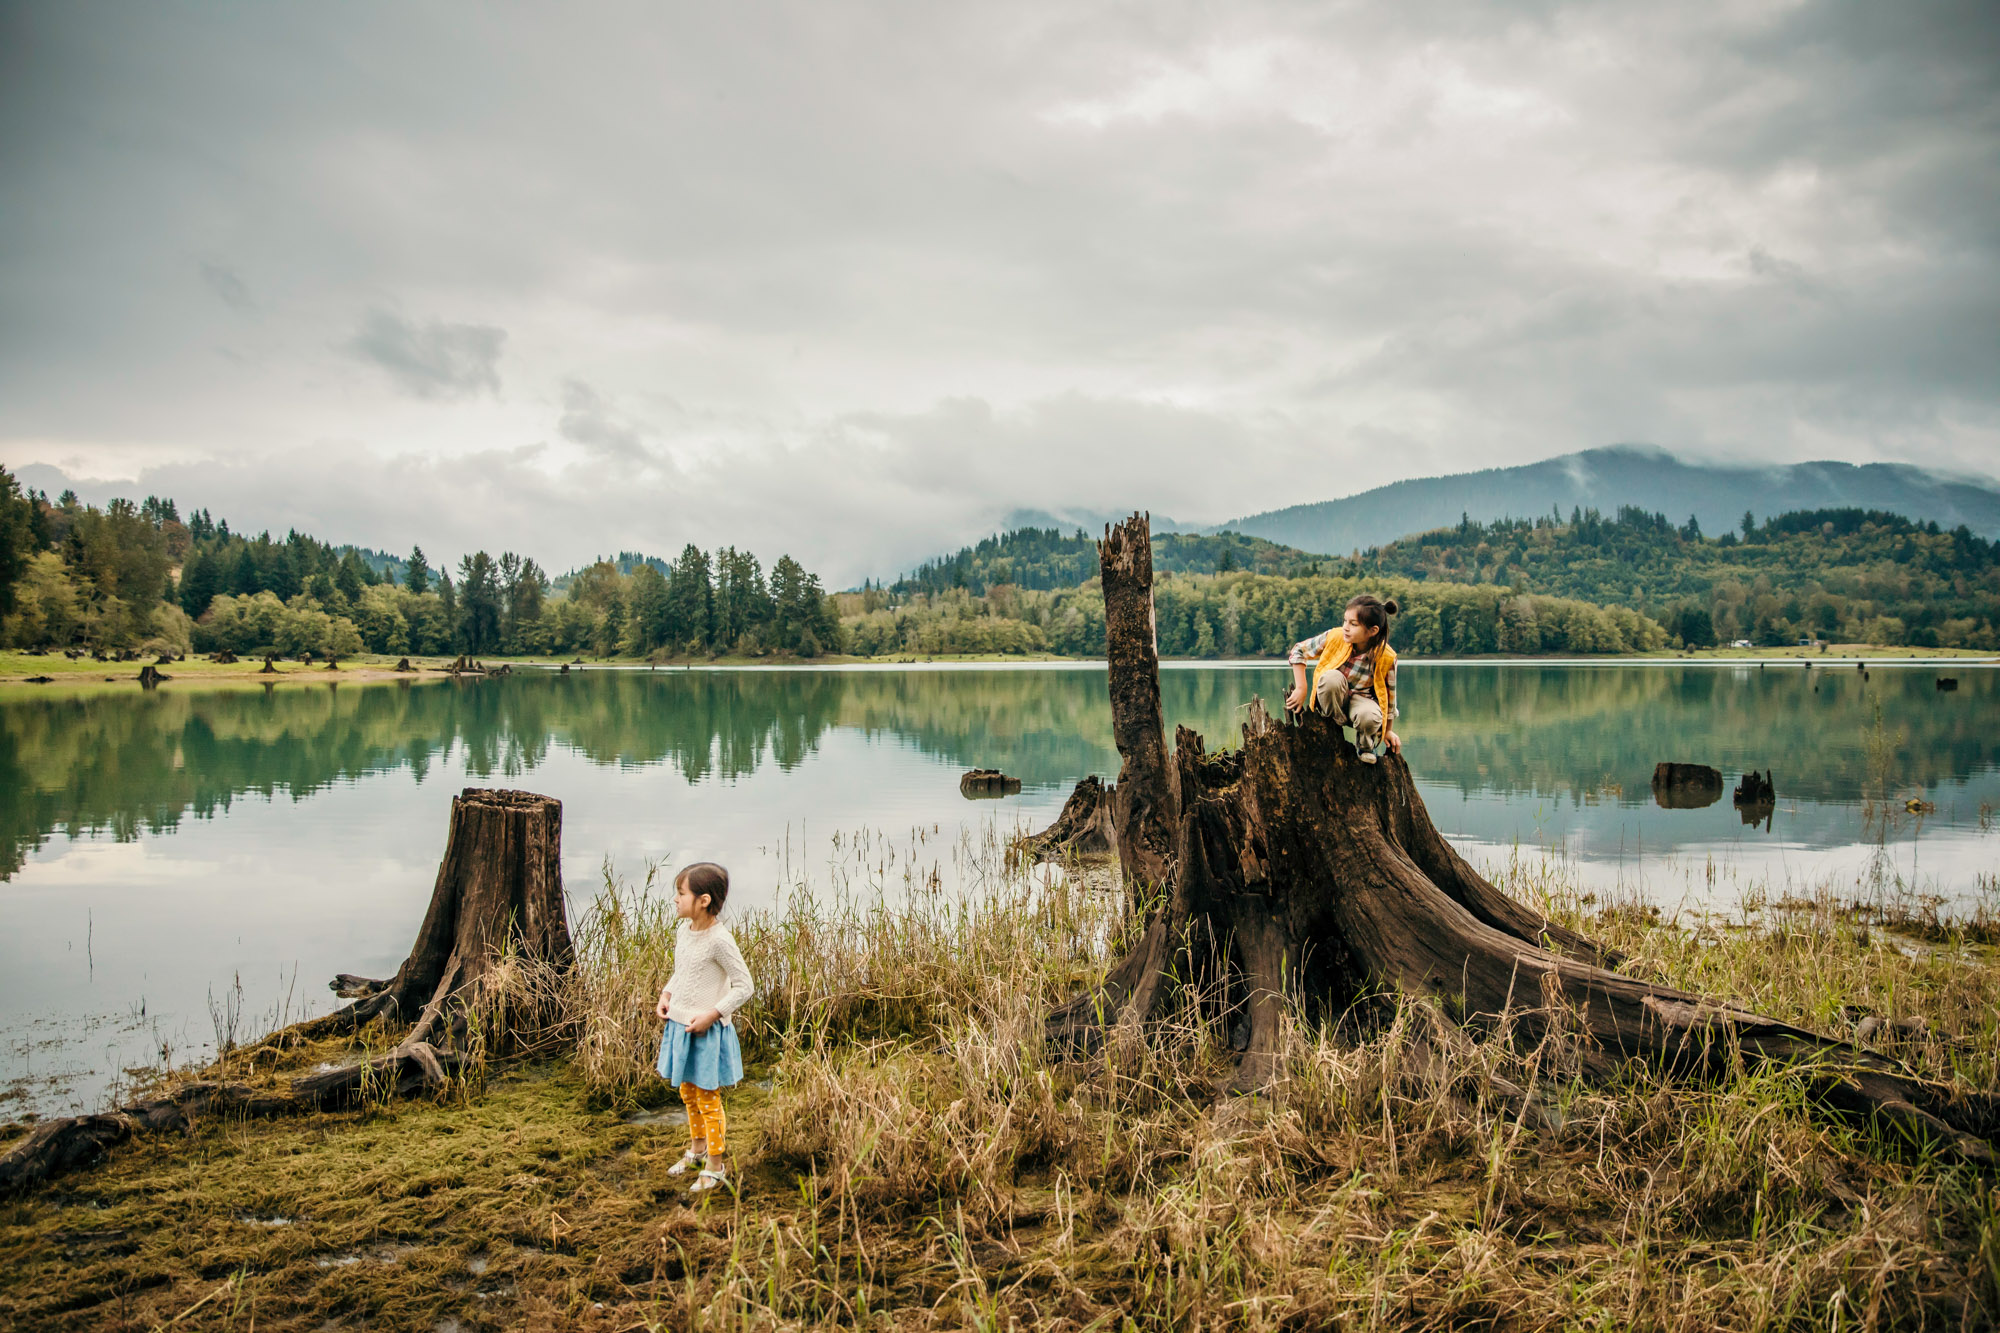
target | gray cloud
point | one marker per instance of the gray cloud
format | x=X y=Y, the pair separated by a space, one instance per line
x=865 y=281
x=591 y=422
x=433 y=359
x=228 y=286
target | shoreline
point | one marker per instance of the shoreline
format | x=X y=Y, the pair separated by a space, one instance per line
x=19 y=668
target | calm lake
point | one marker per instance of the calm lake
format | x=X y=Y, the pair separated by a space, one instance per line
x=172 y=858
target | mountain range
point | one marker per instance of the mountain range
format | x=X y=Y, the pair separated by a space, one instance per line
x=1604 y=479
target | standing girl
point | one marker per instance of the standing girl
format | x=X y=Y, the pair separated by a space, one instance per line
x=1353 y=675
x=699 y=1050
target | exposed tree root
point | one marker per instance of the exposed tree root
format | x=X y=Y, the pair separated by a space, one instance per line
x=1298 y=874
x=496 y=909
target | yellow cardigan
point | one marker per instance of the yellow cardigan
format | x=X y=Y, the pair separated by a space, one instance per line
x=1335 y=655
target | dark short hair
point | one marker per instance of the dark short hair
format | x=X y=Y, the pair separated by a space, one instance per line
x=1374 y=611
x=706 y=877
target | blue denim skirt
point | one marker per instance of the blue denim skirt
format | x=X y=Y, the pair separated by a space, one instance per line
x=712 y=1060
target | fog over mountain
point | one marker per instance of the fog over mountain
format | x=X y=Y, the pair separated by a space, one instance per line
x=1604 y=479
x=860 y=281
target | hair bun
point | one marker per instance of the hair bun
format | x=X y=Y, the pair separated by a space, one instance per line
x=1389 y=605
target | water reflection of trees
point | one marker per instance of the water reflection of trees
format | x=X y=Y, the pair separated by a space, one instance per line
x=126 y=763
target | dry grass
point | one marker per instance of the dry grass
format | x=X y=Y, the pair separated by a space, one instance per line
x=917 y=1162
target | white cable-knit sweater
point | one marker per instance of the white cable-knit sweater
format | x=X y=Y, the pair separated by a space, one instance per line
x=709 y=973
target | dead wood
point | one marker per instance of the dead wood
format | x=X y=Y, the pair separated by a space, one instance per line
x=1297 y=875
x=58 y=1146
x=1083 y=829
x=496 y=913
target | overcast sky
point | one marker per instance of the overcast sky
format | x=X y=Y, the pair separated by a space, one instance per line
x=855 y=280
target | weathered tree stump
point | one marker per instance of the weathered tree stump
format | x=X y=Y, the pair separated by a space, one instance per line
x=1083 y=829
x=1686 y=786
x=403 y=664
x=985 y=783
x=150 y=676
x=1755 y=789
x=496 y=932
x=497 y=908
x=1297 y=875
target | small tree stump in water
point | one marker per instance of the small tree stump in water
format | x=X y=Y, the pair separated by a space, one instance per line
x=1686 y=786
x=983 y=783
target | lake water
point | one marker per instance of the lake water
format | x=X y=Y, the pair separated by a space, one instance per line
x=169 y=858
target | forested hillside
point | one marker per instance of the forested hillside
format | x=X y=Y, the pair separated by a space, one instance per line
x=139 y=578
x=1851 y=575
x=1046 y=558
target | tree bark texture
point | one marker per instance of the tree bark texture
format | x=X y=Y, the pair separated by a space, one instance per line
x=497 y=906
x=496 y=914
x=1083 y=829
x=1299 y=875
x=1144 y=804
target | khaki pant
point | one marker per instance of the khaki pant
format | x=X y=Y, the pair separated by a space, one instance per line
x=1333 y=697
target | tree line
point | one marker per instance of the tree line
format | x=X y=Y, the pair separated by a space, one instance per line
x=1848 y=575
x=139 y=577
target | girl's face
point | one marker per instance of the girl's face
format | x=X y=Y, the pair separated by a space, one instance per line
x=1354 y=631
x=687 y=906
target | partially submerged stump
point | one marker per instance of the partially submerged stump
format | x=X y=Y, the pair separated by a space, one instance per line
x=150 y=676
x=1755 y=789
x=1083 y=829
x=495 y=935
x=1686 y=786
x=403 y=664
x=979 y=784
x=1297 y=875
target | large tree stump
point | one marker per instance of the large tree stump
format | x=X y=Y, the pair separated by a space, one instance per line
x=497 y=908
x=495 y=935
x=1298 y=875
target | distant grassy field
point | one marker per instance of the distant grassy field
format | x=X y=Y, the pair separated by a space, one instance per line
x=16 y=667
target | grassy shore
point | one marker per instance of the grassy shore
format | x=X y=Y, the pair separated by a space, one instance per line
x=909 y=1157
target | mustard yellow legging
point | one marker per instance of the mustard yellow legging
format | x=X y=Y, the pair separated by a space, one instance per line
x=705 y=1123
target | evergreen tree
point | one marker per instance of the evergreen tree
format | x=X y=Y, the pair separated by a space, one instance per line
x=788 y=604
x=417 y=573
x=16 y=537
x=479 y=605
x=690 y=602
x=611 y=630
x=244 y=577
x=651 y=616
x=350 y=577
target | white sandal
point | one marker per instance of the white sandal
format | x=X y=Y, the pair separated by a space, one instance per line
x=709 y=1180
x=688 y=1159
